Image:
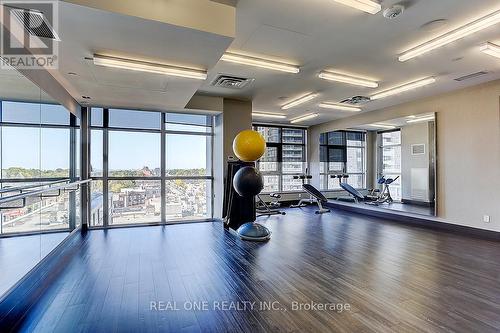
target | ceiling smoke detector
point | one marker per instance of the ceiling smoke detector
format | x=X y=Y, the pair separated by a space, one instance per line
x=394 y=11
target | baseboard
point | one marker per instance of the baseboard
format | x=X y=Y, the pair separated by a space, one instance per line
x=417 y=203
x=16 y=302
x=423 y=221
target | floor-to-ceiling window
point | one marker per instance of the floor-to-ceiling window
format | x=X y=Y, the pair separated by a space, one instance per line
x=390 y=159
x=342 y=152
x=285 y=157
x=38 y=145
x=150 y=167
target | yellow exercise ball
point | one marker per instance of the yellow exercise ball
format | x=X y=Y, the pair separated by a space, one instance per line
x=249 y=145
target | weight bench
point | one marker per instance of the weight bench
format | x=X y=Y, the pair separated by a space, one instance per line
x=318 y=197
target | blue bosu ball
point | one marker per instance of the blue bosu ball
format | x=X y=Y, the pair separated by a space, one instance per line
x=252 y=231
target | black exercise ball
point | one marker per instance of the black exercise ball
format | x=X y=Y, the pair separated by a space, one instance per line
x=248 y=182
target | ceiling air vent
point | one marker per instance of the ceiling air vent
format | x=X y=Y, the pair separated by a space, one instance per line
x=471 y=76
x=356 y=100
x=34 y=22
x=231 y=82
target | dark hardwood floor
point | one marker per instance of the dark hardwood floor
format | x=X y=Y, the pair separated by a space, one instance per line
x=394 y=278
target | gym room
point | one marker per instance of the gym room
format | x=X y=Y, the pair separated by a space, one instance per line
x=250 y=166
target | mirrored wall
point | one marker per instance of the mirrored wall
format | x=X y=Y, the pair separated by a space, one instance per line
x=39 y=142
x=389 y=164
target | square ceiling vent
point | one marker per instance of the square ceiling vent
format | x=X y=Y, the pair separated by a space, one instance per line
x=231 y=82
x=35 y=22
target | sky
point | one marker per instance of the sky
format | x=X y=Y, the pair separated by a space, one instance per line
x=48 y=148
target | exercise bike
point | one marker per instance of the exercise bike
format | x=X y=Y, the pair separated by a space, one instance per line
x=385 y=195
x=265 y=209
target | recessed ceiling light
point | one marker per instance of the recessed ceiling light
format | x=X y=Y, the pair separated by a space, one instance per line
x=382 y=126
x=268 y=115
x=259 y=62
x=368 y=6
x=418 y=120
x=451 y=36
x=491 y=49
x=72 y=73
x=357 y=81
x=304 y=118
x=403 y=88
x=300 y=100
x=148 y=67
x=337 y=106
x=86 y=97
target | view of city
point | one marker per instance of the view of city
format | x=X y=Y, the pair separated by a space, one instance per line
x=284 y=158
x=391 y=160
x=342 y=152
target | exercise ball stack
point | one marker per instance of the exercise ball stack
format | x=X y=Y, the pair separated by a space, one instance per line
x=249 y=146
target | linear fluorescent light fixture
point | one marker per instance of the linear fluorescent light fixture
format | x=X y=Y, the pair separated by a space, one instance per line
x=259 y=62
x=368 y=6
x=491 y=49
x=148 y=67
x=403 y=88
x=357 y=81
x=382 y=126
x=418 y=120
x=298 y=101
x=304 y=118
x=268 y=115
x=451 y=36
x=337 y=106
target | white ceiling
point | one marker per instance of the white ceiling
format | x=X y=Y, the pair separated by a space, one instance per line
x=321 y=34
x=85 y=31
x=315 y=34
x=15 y=87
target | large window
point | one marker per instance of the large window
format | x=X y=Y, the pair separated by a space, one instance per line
x=150 y=167
x=390 y=160
x=38 y=145
x=285 y=157
x=342 y=152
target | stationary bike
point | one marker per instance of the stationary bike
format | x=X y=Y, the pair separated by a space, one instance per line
x=385 y=195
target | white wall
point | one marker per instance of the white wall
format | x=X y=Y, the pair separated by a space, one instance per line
x=468 y=150
x=417 y=133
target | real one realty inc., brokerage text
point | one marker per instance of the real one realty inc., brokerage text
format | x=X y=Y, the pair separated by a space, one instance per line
x=247 y=306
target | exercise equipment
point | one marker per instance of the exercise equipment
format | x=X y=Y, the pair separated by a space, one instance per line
x=305 y=180
x=352 y=191
x=249 y=146
x=385 y=195
x=248 y=181
x=265 y=209
x=315 y=196
x=319 y=198
x=236 y=209
x=243 y=183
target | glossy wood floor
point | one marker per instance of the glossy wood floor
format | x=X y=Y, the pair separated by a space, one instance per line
x=394 y=277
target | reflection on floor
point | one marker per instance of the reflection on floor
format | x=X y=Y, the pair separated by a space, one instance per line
x=381 y=276
x=18 y=255
x=410 y=208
